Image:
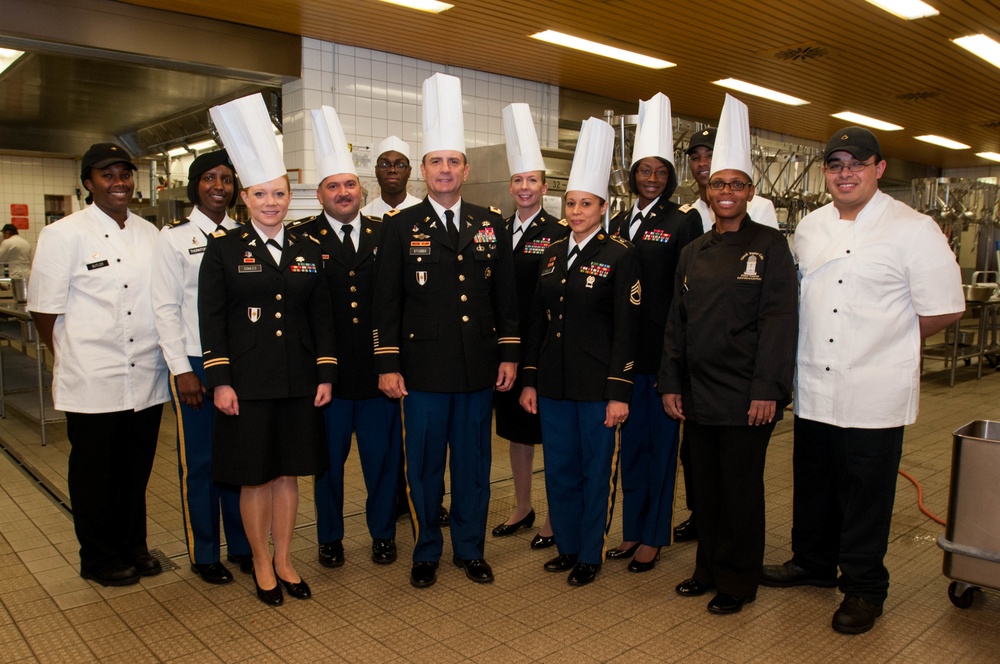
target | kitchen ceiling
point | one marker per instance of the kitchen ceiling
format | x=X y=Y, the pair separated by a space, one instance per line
x=840 y=56
x=845 y=56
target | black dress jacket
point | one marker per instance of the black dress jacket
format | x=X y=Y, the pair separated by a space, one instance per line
x=445 y=315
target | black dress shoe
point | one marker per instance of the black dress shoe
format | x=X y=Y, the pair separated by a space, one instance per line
x=855 y=615
x=503 y=530
x=383 y=551
x=639 y=567
x=332 y=554
x=423 y=574
x=692 y=588
x=212 y=572
x=147 y=565
x=561 y=563
x=582 y=574
x=477 y=569
x=621 y=554
x=687 y=531
x=272 y=597
x=244 y=560
x=111 y=575
x=539 y=542
x=444 y=517
x=298 y=590
x=790 y=574
x=726 y=604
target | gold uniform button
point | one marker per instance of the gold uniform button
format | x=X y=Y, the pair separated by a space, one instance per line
x=351 y=273
x=465 y=319
x=419 y=259
x=278 y=333
x=558 y=334
x=278 y=296
x=563 y=281
x=461 y=257
x=411 y=335
x=561 y=298
x=354 y=305
x=465 y=298
x=354 y=289
x=560 y=316
x=277 y=314
x=355 y=321
x=461 y=277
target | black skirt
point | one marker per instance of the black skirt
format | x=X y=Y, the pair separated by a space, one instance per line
x=513 y=422
x=268 y=439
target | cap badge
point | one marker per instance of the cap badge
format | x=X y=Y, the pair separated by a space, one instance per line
x=844 y=137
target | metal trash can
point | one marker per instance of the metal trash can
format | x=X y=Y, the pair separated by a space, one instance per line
x=971 y=541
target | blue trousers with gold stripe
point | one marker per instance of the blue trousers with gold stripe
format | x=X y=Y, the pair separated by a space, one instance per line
x=436 y=422
x=376 y=422
x=201 y=498
x=581 y=468
x=649 y=466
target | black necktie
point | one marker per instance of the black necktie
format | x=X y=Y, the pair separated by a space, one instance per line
x=273 y=243
x=572 y=255
x=449 y=220
x=348 y=242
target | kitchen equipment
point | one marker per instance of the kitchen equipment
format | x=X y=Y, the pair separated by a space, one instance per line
x=979 y=292
x=20 y=288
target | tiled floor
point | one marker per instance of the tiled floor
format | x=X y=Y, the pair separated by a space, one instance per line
x=365 y=613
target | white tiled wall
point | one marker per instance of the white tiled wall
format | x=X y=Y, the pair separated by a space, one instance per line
x=378 y=94
x=26 y=180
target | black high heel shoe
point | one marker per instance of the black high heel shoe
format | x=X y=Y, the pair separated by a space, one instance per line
x=639 y=567
x=503 y=530
x=621 y=554
x=272 y=597
x=298 y=590
x=540 y=542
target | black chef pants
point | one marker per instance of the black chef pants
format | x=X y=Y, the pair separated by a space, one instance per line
x=728 y=468
x=110 y=460
x=844 y=489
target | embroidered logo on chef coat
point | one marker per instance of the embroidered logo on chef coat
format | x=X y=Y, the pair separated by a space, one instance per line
x=656 y=235
x=421 y=277
x=596 y=269
x=253 y=313
x=537 y=246
x=752 y=258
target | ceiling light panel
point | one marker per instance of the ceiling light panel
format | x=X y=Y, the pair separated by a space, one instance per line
x=943 y=142
x=7 y=57
x=431 y=6
x=992 y=156
x=758 y=91
x=857 y=118
x=908 y=9
x=985 y=47
x=596 y=48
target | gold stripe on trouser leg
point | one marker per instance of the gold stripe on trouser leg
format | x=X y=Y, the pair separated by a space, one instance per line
x=406 y=475
x=182 y=460
x=611 y=492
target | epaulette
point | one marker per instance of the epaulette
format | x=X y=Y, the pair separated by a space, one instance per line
x=393 y=212
x=219 y=233
x=624 y=243
x=496 y=210
x=562 y=239
x=177 y=222
x=686 y=208
x=311 y=238
x=300 y=222
x=563 y=222
x=374 y=220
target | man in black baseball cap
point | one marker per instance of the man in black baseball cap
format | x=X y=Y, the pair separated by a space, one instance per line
x=858 y=141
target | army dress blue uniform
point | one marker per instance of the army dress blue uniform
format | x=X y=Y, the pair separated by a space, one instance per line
x=580 y=355
x=445 y=317
x=266 y=331
x=357 y=404
x=513 y=422
x=180 y=248
x=650 y=437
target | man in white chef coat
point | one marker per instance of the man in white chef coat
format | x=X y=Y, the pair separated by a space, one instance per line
x=875 y=277
x=392 y=170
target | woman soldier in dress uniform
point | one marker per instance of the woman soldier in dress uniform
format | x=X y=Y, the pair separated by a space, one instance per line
x=580 y=360
x=267 y=342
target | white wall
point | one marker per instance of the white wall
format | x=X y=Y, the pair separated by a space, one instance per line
x=26 y=180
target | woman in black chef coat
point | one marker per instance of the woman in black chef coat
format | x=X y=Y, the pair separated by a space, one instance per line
x=728 y=361
x=267 y=339
x=579 y=361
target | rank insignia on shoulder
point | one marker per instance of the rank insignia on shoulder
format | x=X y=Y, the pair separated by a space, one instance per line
x=368 y=231
x=218 y=233
x=392 y=213
x=495 y=209
x=375 y=220
x=563 y=222
x=177 y=222
x=686 y=208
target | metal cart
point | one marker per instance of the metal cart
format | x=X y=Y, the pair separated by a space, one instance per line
x=971 y=541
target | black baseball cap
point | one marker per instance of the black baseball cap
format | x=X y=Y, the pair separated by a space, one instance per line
x=102 y=155
x=9 y=228
x=705 y=137
x=860 y=142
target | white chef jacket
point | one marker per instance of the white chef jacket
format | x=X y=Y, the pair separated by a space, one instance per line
x=760 y=209
x=863 y=284
x=96 y=277
x=378 y=207
x=176 y=263
x=16 y=252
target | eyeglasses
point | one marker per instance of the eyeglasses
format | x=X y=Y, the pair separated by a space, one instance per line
x=398 y=165
x=836 y=167
x=735 y=185
x=661 y=173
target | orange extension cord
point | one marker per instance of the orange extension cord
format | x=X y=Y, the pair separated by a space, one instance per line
x=920 y=499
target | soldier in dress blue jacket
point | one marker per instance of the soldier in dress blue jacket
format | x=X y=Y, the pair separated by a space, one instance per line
x=446 y=337
x=659 y=229
x=580 y=362
x=349 y=242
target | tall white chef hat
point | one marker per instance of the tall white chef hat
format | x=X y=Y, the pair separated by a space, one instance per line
x=654 y=137
x=591 y=167
x=444 y=123
x=394 y=144
x=523 y=153
x=248 y=136
x=333 y=155
x=732 y=142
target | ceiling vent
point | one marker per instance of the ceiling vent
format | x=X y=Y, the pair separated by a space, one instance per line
x=918 y=96
x=992 y=124
x=801 y=52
